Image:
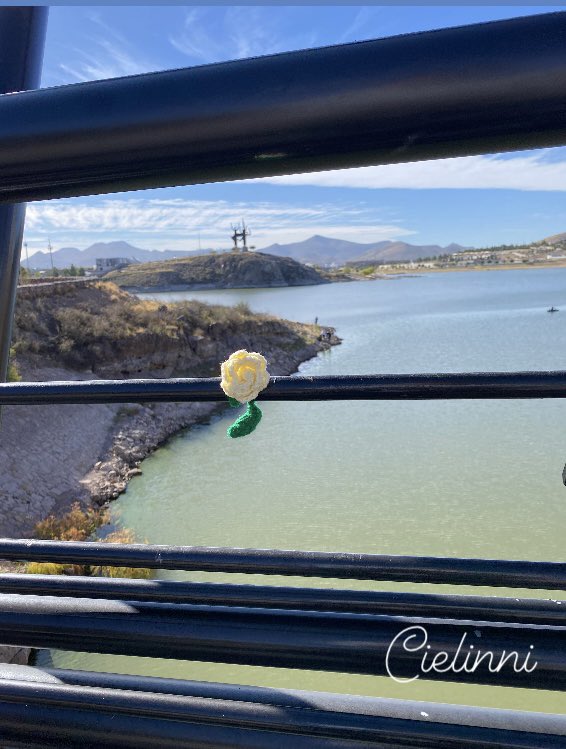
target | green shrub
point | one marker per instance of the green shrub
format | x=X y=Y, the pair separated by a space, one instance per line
x=45 y=568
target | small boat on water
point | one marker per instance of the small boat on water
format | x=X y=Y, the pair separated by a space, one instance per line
x=553 y=309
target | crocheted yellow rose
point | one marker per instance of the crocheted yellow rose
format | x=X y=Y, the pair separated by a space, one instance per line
x=244 y=375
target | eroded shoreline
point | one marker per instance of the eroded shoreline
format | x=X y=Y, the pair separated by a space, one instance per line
x=52 y=456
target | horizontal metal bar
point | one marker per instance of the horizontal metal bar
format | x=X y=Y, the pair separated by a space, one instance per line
x=473 y=385
x=458 y=91
x=460 y=715
x=287 y=714
x=344 y=565
x=66 y=718
x=479 y=608
x=323 y=641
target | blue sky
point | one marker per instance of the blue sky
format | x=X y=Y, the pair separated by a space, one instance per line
x=475 y=201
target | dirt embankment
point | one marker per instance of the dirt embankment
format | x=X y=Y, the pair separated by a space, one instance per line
x=52 y=455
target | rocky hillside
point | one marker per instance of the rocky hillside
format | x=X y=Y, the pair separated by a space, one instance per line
x=228 y=270
x=103 y=330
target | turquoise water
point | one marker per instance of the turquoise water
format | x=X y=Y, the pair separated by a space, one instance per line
x=453 y=478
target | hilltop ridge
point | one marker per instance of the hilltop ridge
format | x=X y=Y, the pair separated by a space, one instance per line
x=228 y=270
x=328 y=251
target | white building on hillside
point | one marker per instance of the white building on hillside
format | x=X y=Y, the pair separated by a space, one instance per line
x=106 y=264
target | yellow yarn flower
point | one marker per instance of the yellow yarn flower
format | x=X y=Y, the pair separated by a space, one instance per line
x=244 y=375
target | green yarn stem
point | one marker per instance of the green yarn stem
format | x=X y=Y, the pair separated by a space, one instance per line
x=246 y=423
x=234 y=403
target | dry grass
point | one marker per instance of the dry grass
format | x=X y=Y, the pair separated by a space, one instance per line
x=80 y=525
x=97 y=328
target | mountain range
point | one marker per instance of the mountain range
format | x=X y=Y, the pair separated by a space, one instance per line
x=328 y=251
x=317 y=250
x=67 y=256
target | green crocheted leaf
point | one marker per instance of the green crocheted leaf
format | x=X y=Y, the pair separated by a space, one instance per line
x=247 y=422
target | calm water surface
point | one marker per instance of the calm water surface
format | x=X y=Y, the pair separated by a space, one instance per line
x=460 y=478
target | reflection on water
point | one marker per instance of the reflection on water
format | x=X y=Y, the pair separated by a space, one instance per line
x=452 y=478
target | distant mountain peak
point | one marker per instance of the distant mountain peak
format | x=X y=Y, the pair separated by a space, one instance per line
x=67 y=256
x=328 y=251
x=555 y=238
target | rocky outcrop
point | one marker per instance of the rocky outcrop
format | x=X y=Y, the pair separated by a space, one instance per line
x=15 y=654
x=229 y=270
x=140 y=429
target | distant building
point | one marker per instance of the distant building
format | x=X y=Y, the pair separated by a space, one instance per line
x=106 y=264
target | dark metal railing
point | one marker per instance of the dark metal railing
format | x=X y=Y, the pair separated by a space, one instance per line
x=425 y=605
x=489 y=87
x=481 y=385
x=341 y=565
x=114 y=710
x=458 y=91
x=276 y=638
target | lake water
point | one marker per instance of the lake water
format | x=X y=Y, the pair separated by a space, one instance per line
x=453 y=478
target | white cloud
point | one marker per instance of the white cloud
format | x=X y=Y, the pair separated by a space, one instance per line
x=111 y=55
x=525 y=172
x=244 y=32
x=176 y=223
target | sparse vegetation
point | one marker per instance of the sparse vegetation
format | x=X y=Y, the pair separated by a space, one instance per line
x=121 y=536
x=13 y=373
x=77 y=524
x=92 y=326
x=368 y=271
x=80 y=524
x=243 y=308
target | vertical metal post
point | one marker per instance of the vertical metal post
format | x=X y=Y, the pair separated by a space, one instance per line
x=22 y=37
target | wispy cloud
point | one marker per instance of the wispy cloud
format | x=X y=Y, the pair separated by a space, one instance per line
x=176 y=223
x=243 y=32
x=109 y=55
x=250 y=34
x=536 y=171
x=196 y=42
x=357 y=28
